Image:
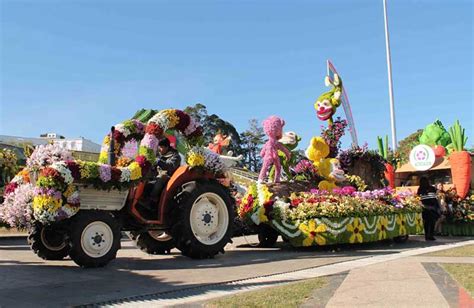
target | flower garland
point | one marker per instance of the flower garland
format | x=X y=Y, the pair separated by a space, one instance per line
x=199 y=157
x=130 y=130
x=317 y=217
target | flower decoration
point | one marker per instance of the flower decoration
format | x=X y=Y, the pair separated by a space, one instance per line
x=356 y=229
x=401 y=222
x=382 y=225
x=313 y=233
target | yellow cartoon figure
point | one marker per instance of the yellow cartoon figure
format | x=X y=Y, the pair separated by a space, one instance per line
x=328 y=168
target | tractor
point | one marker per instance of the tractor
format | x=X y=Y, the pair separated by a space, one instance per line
x=194 y=214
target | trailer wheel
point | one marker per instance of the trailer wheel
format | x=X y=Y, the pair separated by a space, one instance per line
x=154 y=243
x=95 y=238
x=267 y=236
x=204 y=224
x=401 y=239
x=47 y=242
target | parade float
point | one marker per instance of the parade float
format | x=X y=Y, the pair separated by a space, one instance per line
x=440 y=156
x=79 y=208
x=324 y=199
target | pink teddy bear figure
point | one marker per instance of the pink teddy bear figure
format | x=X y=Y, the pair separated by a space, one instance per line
x=273 y=127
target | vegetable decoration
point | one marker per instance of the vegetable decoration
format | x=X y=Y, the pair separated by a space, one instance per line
x=460 y=160
x=389 y=169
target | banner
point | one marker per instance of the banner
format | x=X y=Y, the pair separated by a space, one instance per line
x=345 y=104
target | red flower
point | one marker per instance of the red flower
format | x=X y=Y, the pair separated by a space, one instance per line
x=296 y=202
x=10 y=188
x=143 y=163
x=48 y=171
x=119 y=137
x=74 y=168
x=115 y=174
x=184 y=120
x=197 y=132
x=154 y=129
x=268 y=208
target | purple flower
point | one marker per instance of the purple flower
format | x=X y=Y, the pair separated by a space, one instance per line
x=105 y=172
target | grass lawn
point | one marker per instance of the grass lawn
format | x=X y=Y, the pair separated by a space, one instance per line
x=464 y=251
x=463 y=274
x=288 y=295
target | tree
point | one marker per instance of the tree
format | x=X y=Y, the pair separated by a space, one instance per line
x=213 y=124
x=252 y=140
x=406 y=145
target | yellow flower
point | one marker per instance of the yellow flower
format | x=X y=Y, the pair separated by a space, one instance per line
x=46 y=203
x=69 y=191
x=418 y=223
x=172 y=117
x=252 y=190
x=382 y=227
x=106 y=140
x=326 y=185
x=401 y=222
x=195 y=160
x=312 y=233
x=103 y=157
x=261 y=215
x=266 y=193
x=135 y=171
x=356 y=227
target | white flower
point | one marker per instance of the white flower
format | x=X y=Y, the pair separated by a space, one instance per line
x=337 y=95
x=337 y=80
x=121 y=128
x=64 y=171
x=193 y=125
x=283 y=206
x=161 y=119
x=125 y=174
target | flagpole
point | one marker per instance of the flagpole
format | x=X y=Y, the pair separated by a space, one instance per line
x=390 y=82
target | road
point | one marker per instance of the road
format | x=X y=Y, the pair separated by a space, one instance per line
x=29 y=281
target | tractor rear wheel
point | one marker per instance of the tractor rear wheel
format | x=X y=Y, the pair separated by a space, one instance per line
x=205 y=215
x=47 y=242
x=154 y=242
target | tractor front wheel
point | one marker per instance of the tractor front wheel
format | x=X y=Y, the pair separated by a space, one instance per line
x=95 y=238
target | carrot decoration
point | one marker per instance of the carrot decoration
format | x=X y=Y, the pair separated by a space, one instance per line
x=460 y=160
x=389 y=169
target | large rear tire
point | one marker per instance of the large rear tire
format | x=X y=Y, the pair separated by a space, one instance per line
x=47 y=242
x=205 y=215
x=95 y=238
x=154 y=242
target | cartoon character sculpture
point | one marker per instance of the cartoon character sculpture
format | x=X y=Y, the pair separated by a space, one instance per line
x=328 y=102
x=220 y=142
x=328 y=168
x=273 y=128
x=290 y=140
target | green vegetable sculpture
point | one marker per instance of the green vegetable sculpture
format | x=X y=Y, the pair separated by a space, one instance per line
x=435 y=134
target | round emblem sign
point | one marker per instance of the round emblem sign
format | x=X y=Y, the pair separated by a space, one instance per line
x=422 y=157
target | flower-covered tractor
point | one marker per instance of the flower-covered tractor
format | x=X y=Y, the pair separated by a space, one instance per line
x=80 y=209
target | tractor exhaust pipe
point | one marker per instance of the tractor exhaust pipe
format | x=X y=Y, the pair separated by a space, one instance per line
x=111 y=153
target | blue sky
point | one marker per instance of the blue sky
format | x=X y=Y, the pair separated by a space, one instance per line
x=78 y=67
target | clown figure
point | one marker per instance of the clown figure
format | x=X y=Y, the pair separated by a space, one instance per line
x=328 y=102
x=273 y=128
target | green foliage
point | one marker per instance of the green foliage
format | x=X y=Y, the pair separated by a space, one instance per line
x=212 y=125
x=252 y=140
x=435 y=134
x=8 y=165
x=458 y=136
x=406 y=145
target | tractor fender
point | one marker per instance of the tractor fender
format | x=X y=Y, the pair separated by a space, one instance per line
x=182 y=178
